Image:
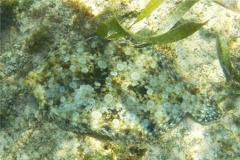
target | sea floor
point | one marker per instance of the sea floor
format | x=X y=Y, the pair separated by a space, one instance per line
x=30 y=30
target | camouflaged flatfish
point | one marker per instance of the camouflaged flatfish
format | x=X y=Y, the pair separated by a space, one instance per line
x=117 y=90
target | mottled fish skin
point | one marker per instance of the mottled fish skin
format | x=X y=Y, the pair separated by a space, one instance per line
x=233 y=5
x=116 y=90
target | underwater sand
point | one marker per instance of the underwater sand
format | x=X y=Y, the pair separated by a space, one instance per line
x=41 y=28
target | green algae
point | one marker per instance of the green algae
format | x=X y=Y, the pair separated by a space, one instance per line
x=40 y=39
x=8 y=15
x=9 y=10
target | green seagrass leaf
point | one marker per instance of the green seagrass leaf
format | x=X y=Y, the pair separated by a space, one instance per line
x=232 y=74
x=102 y=30
x=115 y=26
x=179 y=32
x=224 y=58
x=151 y=6
x=175 y=16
